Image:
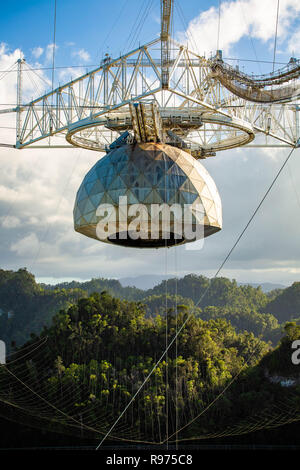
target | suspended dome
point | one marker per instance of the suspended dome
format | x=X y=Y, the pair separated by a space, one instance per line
x=126 y=187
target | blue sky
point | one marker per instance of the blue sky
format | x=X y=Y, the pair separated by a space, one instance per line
x=87 y=24
x=97 y=27
x=38 y=187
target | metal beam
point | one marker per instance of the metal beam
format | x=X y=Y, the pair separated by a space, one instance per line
x=166 y=14
x=86 y=110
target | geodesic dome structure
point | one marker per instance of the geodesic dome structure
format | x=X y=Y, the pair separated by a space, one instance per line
x=148 y=174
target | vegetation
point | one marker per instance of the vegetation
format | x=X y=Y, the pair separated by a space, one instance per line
x=85 y=362
x=286 y=305
x=25 y=306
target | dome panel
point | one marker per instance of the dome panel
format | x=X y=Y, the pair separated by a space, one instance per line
x=149 y=174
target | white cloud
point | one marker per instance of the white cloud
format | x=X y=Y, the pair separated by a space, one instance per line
x=71 y=73
x=38 y=188
x=49 y=52
x=294 y=43
x=82 y=54
x=10 y=221
x=37 y=52
x=31 y=82
x=240 y=18
x=27 y=246
x=7 y=57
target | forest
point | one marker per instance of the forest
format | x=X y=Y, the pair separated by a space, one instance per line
x=78 y=353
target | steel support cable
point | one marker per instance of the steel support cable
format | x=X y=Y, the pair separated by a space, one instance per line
x=266 y=420
x=133 y=28
x=219 y=24
x=33 y=70
x=5 y=72
x=166 y=282
x=112 y=27
x=166 y=316
x=257 y=61
x=31 y=78
x=216 y=398
x=251 y=39
x=39 y=343
x=224 y=262
x=142 y=22
x=138 y=24
x=176 y=296
x=48 y=225
x=17 y=193
x=201 y=298
x=53 y=66
x=275 y=39
x=54 y=46
x=176 y=346
x=72 y=419
x=39 y=411
x=97 y=65
x=241 y=428
x=185 y=24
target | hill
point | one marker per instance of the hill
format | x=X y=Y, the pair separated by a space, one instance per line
x=145 y=282
x=286 y=305
x=98 y=352
x=26 y=306
x=149 y=281
x=265 y=286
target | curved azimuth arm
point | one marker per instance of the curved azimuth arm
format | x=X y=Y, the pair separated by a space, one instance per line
x=162 y=91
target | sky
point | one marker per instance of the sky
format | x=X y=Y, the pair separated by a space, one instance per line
x=38 y=187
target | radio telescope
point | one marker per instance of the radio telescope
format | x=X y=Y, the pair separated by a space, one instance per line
x=155 y=113
x=160 y=108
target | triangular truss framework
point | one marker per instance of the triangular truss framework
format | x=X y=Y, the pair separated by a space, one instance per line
x=182 y=91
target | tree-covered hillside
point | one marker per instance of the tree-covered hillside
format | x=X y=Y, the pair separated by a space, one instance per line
x=25 y=306
x=112 y=286
x=286 y=305
x=83 y=370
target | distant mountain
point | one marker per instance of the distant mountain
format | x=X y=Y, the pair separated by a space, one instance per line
x=146 y=281
x=265 y=286
x=26 y=306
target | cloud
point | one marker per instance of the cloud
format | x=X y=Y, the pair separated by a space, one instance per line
x=294 y=43
x=27 y=246
x=82 y=54
x=42 y=187
x=238 y=19
x=49 y=52
x=8 y=92
x=70 y=73
x=37 y=52
x=38 y=188
x=10 y=221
